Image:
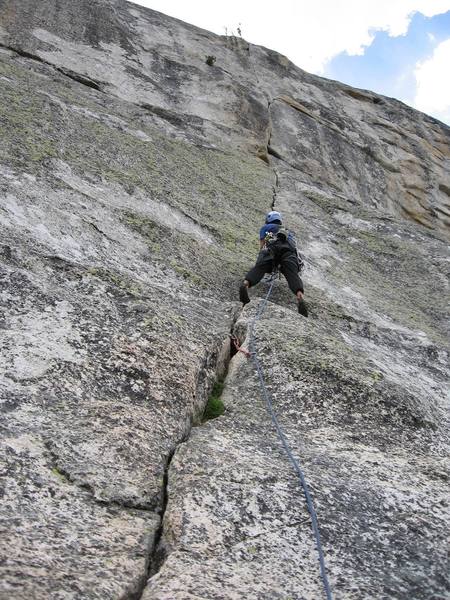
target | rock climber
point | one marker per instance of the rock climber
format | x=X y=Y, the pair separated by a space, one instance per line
x=277 y=249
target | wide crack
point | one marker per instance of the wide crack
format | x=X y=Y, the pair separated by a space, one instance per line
x=222 y=358
x=158 y=555
x=271 y=152
x=237 y=337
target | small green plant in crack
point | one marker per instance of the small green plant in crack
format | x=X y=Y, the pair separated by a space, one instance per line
x=214 y=407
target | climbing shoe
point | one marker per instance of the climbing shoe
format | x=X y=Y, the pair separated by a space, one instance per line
x=302 y=309
x=243 y=294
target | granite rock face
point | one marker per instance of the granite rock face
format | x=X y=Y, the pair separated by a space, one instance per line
x=133 y=179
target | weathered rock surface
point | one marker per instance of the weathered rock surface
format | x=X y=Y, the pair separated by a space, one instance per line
x=362 y=397
x=133 y=179
x=352 y=141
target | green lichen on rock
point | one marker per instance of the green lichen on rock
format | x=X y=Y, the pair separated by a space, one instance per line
x=134 y=180
x=219 y=190
x=389 y=272
x=385 y=262
x=117 y=280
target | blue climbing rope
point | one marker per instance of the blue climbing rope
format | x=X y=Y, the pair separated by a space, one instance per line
x=267 y=396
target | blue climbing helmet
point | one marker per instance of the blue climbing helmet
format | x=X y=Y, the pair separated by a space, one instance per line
x=272 y=216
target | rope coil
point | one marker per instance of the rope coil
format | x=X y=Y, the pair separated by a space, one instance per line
x=267 y=396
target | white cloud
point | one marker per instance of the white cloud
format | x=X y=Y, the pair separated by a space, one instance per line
x=331 y=27
x=433 y=83
x=309 y=32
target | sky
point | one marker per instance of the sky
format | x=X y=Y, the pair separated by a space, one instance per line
x=398 y=48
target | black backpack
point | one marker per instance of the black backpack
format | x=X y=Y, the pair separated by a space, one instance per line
x=281 y=242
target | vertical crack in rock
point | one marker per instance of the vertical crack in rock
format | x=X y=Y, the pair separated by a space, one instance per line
x=159 y=554
x=275 y=189
x=269 y=128
x=271 y=152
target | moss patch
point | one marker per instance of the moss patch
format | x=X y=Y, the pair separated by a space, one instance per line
x=214 y=407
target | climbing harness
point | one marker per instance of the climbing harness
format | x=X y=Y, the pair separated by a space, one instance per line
x=267 y=396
